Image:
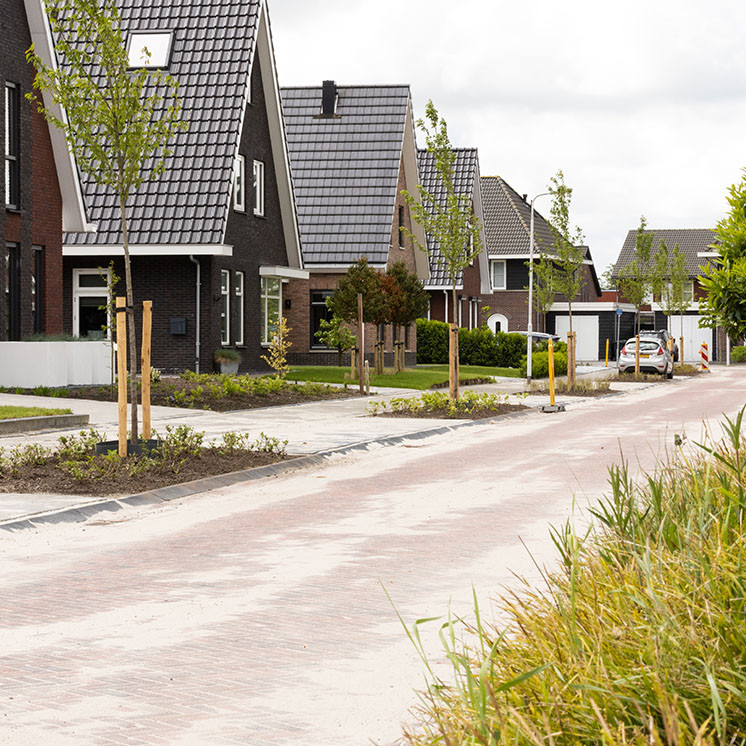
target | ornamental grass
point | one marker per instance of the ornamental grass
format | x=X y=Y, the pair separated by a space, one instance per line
x=638 y=638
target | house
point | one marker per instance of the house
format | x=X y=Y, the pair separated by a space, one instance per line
x=40 y=189
x=697 y=246
x=352 y=152
x=215 y=239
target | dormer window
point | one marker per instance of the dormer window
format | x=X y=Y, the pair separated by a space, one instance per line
x=149 y=48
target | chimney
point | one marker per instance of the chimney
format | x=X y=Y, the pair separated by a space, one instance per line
x=525 y=198
x=329 y=98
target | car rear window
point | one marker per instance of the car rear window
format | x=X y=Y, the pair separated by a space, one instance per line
x=646 y=345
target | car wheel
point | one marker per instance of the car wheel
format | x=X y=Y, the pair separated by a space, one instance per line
x=669 y=375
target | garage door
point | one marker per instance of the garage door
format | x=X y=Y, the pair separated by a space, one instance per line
x=586 y=328
x=693 y=336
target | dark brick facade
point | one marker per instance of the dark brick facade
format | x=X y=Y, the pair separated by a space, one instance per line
x=298 y=292
x=37 y=219
x=170 y=282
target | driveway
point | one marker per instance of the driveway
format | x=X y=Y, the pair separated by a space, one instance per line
x=256 y=614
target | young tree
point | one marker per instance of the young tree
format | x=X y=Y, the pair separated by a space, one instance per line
x=544 y=292
x=562 y=268
x=724 y=281
x=639 y=278
x=674 y=285
x=333 y=333
x=118 y=121
x=409 y=303
x=448 y=220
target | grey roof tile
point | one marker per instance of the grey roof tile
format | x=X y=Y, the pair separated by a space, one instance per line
x=212 y=48
x=346 y=170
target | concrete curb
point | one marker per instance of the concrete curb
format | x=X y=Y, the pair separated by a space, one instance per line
x=81 y=513
x=46 y=422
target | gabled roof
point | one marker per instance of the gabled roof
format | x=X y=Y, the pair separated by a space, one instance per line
x=346 y=169
x=213 y=50
x=507 y=221
x=74 y=216
x=466 y=183
x=691 y=241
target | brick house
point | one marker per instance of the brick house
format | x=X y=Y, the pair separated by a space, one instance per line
x=352 y=151
x=699 y=248
x=40 y=188
x=215 y=237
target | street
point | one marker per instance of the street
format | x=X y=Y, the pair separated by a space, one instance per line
x=256 y=614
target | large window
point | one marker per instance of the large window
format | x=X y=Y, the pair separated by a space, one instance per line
x=37 y=290
x=271 y=298
x=12 y=146
x=238 y=307
x=258 y=188
x=12 y=292
x=90 y=303
x=225 y=307
x=498 y=274
x=239 y=184
x=319 y=311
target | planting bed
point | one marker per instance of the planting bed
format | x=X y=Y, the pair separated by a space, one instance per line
x=437 y=405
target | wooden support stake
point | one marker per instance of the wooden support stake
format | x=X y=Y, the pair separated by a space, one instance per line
x=121 y=310
x=147 y=325
x=360 y=343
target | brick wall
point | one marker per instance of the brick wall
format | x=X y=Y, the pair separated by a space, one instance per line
x=38 y=219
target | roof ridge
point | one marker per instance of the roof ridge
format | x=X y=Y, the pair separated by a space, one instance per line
x=362 y=85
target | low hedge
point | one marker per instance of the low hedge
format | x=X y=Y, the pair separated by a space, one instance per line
x=738 y=354
x=540 y=364
x=476 y=346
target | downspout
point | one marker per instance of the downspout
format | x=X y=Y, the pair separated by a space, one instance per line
x=445 y=295
x=198 y=287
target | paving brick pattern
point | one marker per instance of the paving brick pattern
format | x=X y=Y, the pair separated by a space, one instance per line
x=255 y=614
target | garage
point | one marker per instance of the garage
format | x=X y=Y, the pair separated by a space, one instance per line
x=693 y=335
x=586 y=329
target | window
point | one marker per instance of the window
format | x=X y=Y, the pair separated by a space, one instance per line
x=12 y=292
x=271 y=296
x=688 y=291
x=401 y=225
x=37 y=290
x=258 y=188
x=239 y=185
x=90 y=300
x=12 y=146
x=319 y=311
x=149 y=48
x=225 y=307
x=238 y=285
x=498 y=274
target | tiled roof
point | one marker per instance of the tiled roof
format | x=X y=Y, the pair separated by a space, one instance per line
x=346 y=169
x=211 y=54
x=691 y=241
x=507 y=221
x=466 y=180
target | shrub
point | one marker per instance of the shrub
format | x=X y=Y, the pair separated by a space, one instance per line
x=738 y=354
x=432 y=342
x=540 y=364
x=510 y=350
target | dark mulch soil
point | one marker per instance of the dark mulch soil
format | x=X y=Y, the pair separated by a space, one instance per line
x=642 y=378
x=49 y=478
x=162 y=394
x=463 y=382
x=573 y=392
x=444 y=414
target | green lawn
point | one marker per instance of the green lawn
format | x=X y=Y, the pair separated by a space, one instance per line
x=13 y=413
x=412 y=378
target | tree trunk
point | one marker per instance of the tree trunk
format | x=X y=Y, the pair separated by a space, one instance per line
x=130 y=324
x=570 y=350
x=453 y=367
x=637 y=347
x=681 y=339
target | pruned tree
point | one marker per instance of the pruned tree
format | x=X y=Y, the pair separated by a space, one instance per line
x=409 y=302
x=447 y=219
x=561 y=269
x=118 y=121
x=334 y=334
x=544 y=291
x=676 y=296
x=639 y=278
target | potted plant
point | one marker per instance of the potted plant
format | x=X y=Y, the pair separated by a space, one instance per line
x=227 y=360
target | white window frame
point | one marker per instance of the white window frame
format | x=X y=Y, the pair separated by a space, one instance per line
x=265 y=297
x=239 y=184
x=79 y=292
x=238 y=290
x=225 y=302
x=493 y=262
x=160 y=49
x=258 y=192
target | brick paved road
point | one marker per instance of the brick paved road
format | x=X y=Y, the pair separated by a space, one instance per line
x=255 y=615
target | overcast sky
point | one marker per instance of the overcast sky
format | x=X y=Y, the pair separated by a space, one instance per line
x=641 y=104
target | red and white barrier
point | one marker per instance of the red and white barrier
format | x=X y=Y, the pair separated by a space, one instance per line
x=704 y=352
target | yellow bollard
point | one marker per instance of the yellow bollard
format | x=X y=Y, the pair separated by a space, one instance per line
x=607 y=354
x=551 y=372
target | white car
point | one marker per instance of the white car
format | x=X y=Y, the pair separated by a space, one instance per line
x=654 y=357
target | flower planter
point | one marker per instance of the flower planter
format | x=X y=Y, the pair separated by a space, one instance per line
x=229 y=369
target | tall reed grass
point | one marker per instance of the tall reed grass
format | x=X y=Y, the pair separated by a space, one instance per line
x=638 y=638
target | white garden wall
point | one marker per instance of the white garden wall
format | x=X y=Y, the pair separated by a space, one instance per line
x=30 y=364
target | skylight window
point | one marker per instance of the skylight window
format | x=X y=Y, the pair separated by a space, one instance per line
x=149 y=49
